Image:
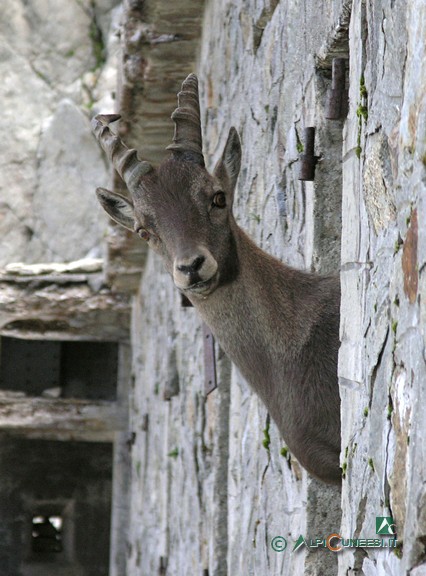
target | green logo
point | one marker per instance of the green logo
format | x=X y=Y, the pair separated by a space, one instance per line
x=385 y=525
x=300 y=542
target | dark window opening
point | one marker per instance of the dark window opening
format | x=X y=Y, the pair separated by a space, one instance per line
x=89 y=370
x=59 y=369
x=46 y=534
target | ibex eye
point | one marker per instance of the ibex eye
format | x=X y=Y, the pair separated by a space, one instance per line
x=219 y=200
x=143 y=233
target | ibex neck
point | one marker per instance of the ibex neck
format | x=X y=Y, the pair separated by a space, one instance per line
x=280 y=328
x=257 y=313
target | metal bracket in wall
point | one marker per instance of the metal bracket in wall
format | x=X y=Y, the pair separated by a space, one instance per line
x=337 y=96
x=162 y=567
x=308 y=160
x=210 y=379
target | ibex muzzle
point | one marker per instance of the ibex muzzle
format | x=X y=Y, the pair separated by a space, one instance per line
x=195 y=271
x=280 y=326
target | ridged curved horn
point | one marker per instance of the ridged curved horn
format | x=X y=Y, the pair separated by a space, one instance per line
x=124 y=159
x=187 y=137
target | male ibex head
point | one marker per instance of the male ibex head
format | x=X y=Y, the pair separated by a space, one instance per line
x=279 y=325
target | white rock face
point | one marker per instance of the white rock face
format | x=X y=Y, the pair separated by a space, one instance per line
x=52 y=54
x=67 y=216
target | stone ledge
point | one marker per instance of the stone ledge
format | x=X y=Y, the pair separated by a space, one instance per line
x=61 y=301
x=87 y=419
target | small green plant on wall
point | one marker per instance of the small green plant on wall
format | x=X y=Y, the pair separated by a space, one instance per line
x=362 y=113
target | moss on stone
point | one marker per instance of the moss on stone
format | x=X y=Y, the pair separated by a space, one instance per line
x=173 y=453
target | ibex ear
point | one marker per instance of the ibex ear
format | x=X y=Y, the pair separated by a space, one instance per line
x=228 y=167
x=118 y=207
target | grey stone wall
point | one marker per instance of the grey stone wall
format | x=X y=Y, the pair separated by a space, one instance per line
x=213 y=482
x=206 y=492
x=382 y=358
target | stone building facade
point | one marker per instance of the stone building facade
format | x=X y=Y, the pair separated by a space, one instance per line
x=203 y=484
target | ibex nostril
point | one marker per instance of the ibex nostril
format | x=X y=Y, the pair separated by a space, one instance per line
x=198 y=262
x=194 y=266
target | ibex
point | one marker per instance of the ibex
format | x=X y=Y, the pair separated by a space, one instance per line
x=277 y=324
